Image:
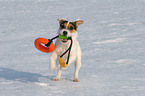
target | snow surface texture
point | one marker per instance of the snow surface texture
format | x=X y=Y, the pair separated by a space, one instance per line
x=112 y=41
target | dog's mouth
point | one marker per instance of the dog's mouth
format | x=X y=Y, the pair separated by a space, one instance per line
x=64 y=40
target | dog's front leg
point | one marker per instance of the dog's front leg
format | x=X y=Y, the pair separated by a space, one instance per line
x=57 y=78
x=53 y=58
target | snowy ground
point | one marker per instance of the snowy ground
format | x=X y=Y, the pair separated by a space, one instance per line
x=112 y=41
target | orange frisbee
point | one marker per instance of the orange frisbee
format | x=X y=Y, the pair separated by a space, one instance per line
x=40 y=45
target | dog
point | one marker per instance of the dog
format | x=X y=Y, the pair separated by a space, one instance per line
x=68 y=29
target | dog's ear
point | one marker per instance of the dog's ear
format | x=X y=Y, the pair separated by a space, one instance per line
x=61 y=20
x=79 y=22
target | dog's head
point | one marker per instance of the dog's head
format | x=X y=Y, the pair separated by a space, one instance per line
x=68 y=29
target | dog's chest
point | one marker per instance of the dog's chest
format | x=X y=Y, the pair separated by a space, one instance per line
x=61 y=48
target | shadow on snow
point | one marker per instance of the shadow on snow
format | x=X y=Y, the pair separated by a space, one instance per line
x=15 y=75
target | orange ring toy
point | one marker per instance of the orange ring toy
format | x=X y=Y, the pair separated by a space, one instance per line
x=38 y=44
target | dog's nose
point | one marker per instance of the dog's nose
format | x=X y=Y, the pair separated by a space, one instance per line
x=64 y=33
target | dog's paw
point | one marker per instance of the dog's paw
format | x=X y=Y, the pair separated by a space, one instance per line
x=56 y=79
x=76 y=80
x=52 y=68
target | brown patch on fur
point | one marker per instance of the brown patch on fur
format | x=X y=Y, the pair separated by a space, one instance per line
x=72 y=27
x=63 y=24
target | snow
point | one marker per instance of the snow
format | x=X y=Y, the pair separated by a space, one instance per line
x=112 y=41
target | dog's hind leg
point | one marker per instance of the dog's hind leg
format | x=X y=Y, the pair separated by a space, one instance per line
x=77 y=66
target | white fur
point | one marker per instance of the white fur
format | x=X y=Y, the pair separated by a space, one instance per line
x=60 y=48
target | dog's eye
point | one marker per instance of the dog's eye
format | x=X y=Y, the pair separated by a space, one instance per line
x=71 y=28
x=62 y=26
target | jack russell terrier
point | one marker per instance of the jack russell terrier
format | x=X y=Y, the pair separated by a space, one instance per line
x=68 y=29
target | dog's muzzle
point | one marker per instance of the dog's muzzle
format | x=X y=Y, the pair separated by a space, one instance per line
x=65 y=34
